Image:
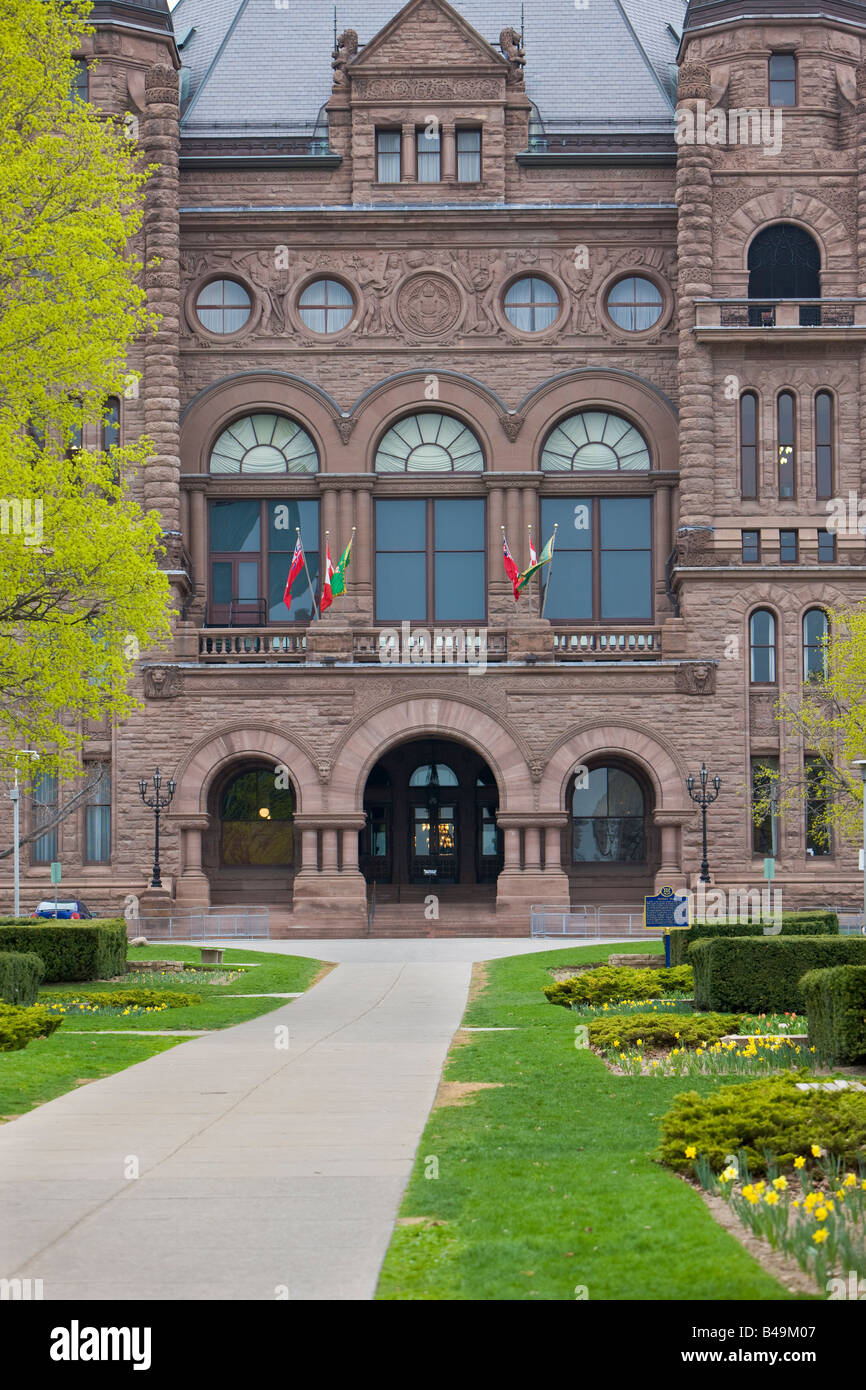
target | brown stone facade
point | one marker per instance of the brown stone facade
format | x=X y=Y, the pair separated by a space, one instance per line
x=429 y=331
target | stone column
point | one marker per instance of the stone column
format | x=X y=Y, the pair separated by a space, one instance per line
x=670 y=872
x=329 y=850
x=449 y=152
x=501 y=599
x=197 y=537
x=517 y=888
x=532 y=849
x=361 y=573
x=410 y=170
x=193 y=886
x=553 y=847
x=333 y=896
x=350 y=849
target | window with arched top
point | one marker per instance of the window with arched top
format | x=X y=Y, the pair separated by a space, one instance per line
x=256 y=820
x=824 y=445
x=608 y=809
x=748 y=445
x=264 y=443
x=595 y=441
x=430 y=442
x=762 y=647
x=423 y=776
x=784 y=263
x=786 y=431
x=816 y=631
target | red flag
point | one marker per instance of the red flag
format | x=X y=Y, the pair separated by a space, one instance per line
x=294 y=570
x=327 y=596
x=510 y=567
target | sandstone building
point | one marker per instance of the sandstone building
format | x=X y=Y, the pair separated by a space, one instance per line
x=440 y=278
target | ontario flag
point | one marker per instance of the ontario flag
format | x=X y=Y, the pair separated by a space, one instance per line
x=294 y=570
x=510 y=567
x=327 y=593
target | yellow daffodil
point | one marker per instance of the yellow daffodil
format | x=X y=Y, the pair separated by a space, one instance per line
x=819 y=1236
x=816 y=1150
x=771 y=1199
x=821 y=1214
x=691 y=1151
x=799 y=1161
x=780 y=1184
x=850 y=1180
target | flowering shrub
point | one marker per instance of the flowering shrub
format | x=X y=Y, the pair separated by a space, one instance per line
x=618 y=982
x=125 y=998
x=660 y=1030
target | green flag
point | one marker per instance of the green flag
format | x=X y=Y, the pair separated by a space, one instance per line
x=338 y=578
x=544 y=559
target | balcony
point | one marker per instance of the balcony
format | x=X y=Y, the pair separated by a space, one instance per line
x=745 y=320
x=612 y=644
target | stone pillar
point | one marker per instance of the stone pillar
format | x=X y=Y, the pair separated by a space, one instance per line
x=329 y=850
x=410 y=170
x=449 y=153
x=663 y=543
x=501 y=599
x=553 y=847
x=193 y=885
x=350 y=849
x=670 y=871
x=361 y=573
x=517 y=888
x=333 y=896
x=197 y=538
x=532 y=849
x=329 y=518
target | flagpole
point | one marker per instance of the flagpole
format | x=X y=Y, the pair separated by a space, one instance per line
x=550 y=570
x=309 y=576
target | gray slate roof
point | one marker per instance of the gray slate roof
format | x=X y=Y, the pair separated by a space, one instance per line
x=257 y=68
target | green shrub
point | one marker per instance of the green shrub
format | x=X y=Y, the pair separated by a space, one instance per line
x=660 y=1030
x=20 y=973
x=769 y=1115
x=69 y=950
x=124 y=998
x=618 y=982
x=762 y=974
x=836 y=1005
x=18 y=1026
x=816 y=922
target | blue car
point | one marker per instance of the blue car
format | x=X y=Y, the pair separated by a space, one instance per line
x=68 y=908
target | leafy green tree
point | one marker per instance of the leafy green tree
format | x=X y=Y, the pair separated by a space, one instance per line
x=81 y=593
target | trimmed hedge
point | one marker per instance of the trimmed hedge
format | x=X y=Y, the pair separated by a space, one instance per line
x=124 y=998
x=69 y=950
x=760 y=1116
x=836 y=1006
x=661 y=1030
x=762 y=974
x=18 y=1027
x=815 y=922
x=20 y=973
x=610 y=982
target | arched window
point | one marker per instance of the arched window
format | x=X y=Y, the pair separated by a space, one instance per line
x=429 y=442
x=785 y=263
x=257 y=817
x=265 y=443
x=749 y=445
x=823 y=445
x=786 y=427
x=595 y=441
x=423 y=776
x=816 y=631
x=608 y=818
x=762 y=647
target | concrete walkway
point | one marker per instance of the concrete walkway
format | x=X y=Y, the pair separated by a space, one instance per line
x=261 y=1169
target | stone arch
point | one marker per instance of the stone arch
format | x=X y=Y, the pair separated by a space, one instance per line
x=404 y=394
x=622 y=393
x=821 y=221
x=216 y=752
x=648 y=751
x=208 y=414
x=402 y=720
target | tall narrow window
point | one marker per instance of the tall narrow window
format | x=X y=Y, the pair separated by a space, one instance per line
x=765 y=815
x=97 y=817
x=469 y=156
x=751 y=547
x=749 y=445
x=762 y=644
x=816 y=630
x=80 y=86
x=783 y=79
x=786 y=417
x=823 y=445
x=818 y=837
x=388 y=166
x=111 y=424
x=44 y=807
x=826 y=547
x=429 y=155
x=788 y=548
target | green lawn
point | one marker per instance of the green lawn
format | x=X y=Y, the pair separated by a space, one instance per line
x=548 y=1183
x=50 y=1066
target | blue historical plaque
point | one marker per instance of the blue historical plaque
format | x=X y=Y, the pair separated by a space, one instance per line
x=668 y=911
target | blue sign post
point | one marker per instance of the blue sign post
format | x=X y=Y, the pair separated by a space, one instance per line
x=668 y=910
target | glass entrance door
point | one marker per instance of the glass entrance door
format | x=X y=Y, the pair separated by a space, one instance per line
x=433 y=847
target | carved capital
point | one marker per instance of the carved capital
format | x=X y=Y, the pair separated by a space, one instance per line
x=694 y=82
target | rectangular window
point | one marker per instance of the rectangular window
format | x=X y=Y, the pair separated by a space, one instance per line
x=430 y=560
x=44 y=807
x=787 y=455
x=251 y=547
x=602 y=566
x=97 y=817
x=788 y=550
x=429 y=146
x=749 y=445
x=783 y=79
x=469 y=156
x=826 y=547
x=111 y=425
x=751 y=547
x=388 y=163
x=823 y=445
x=765 y=814
x=80 y=86
x=819 y=840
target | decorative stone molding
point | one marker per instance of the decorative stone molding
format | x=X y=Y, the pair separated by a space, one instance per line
x=345 y=51
x=696 y=678
x=345 y=427
x=427 y=88
x=429 y=304
x=695 y=545
x=509 y=42
x=162 y=682
x=694 y=82
x=512 y=425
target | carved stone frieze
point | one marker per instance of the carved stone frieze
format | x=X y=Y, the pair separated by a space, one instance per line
x=162 y=683
x=696 y=678
x=429 y=305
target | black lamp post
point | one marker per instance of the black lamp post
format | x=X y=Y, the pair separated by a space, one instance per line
x=158 y=804
x=704 y=798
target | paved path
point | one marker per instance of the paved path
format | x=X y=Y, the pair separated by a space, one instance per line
x=259 y=1167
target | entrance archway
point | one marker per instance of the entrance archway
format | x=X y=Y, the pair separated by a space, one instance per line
x=250 y=850
x=611 y=842
x=431 y=822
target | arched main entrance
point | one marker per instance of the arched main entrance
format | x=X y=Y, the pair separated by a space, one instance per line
x=250 y=849
x=431 y=810
x=611 y=844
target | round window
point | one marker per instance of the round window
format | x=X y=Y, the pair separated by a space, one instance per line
x=635 y=304
x=326 y=306
x=223 y=306
x=531 y=304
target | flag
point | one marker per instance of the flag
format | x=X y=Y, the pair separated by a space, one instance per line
x=327 y=592
x=543 y=559
x=338 y=580
x=510 y=567
x=294 y=570
x=533 y=555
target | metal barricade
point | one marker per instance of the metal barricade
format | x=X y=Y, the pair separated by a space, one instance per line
x=211 y=924
x=589 y=923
